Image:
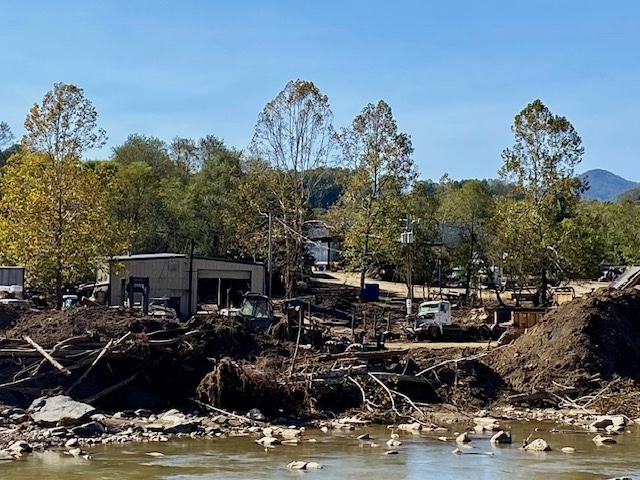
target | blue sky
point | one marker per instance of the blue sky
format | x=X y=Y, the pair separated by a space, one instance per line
x=454 y=72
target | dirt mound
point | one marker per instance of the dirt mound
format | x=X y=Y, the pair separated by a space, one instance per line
x=8 y=316
x=50 y=327
x=595 y=335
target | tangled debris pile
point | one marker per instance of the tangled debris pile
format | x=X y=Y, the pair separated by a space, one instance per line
x=582 y=355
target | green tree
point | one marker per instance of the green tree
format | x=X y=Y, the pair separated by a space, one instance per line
x=293 y=136
x=61 y=129
x=54 y=220
x=149 y=150
x=541 y=164
x=467 y=210
x=369 y=210
x=137 y=200
x=621 y=230
x=212 y=199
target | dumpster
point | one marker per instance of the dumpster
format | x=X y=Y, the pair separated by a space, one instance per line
x=371 y=292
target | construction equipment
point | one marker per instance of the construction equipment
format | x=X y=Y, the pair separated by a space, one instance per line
x=128 y=290
x=257 y=309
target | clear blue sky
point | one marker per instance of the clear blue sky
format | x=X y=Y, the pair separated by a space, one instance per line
x=454 y=72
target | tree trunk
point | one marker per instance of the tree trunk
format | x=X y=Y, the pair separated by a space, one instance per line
x=58 y=286
x=543 y=287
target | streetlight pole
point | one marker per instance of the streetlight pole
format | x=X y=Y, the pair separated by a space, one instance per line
x=270 y=259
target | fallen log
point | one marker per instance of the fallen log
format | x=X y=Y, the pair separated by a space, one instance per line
x=365 y=356
x=224 y=412
x=46 y=355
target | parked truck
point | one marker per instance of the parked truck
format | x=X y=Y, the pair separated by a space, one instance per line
x=434 y=321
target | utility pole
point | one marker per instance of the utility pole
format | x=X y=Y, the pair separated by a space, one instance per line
x=270 y=260
x=407 y=238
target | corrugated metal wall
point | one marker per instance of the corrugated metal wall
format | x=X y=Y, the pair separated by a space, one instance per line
x=12 y=276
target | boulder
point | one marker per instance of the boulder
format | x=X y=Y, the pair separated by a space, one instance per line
x=538 y=445
x=291 y=433
x=255 y=414
x=18 y=417
x=59 y=410
x=89 y=429
x=501 y=437
x=297 y=465
x=604 y=422
x=463 y=438
x=364 y=436
x=173 y=423
x=410 y=427
x=6 y=455
x=20 y=446
x=172 y=411
x=568 y=450
x=268 y=441
x=220 y=419
x=600 y=440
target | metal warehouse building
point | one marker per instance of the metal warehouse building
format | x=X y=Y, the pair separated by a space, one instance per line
x=187 y=281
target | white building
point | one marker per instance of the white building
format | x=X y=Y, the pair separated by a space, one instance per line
x=186 y=281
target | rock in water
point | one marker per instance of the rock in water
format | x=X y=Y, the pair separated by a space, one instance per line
x=501 y=437
x=59 y=410
x=538 y=445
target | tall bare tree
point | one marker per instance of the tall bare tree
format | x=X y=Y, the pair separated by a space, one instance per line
x=5 y=135
x=294 y=136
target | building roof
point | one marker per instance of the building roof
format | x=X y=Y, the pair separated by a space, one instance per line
x=162 y=256
x=148 y=256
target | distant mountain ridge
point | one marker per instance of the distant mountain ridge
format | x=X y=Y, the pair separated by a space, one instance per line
x=606 y=186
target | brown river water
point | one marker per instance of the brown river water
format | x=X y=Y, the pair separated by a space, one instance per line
x=345 y=457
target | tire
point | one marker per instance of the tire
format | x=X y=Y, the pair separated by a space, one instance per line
x=434 y=332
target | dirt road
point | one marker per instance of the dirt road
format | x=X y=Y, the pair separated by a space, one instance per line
x=439 y=345
x=398 y=289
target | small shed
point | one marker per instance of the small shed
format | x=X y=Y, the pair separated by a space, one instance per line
x=188 y=281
